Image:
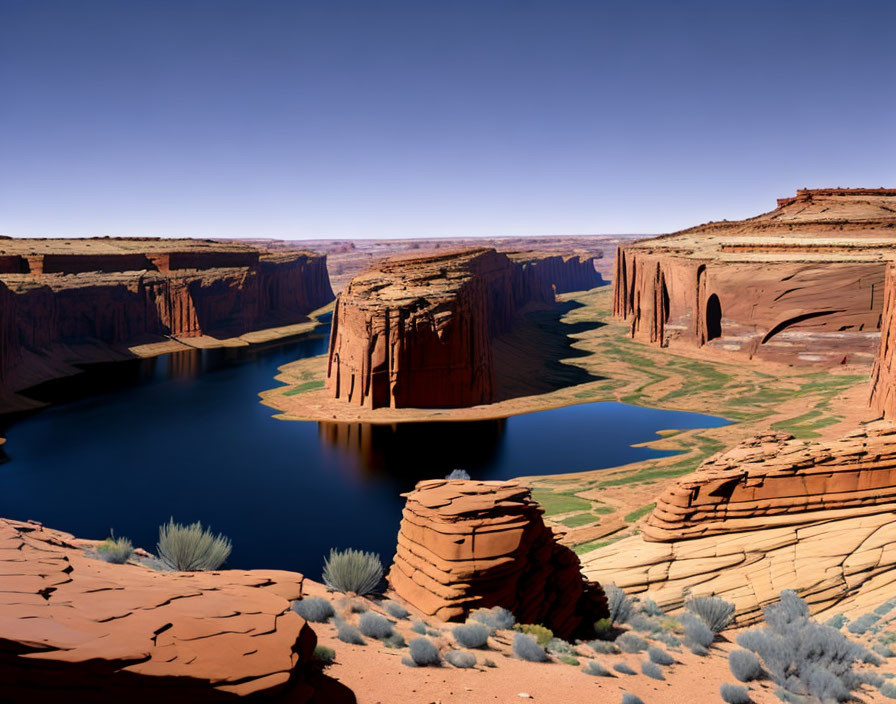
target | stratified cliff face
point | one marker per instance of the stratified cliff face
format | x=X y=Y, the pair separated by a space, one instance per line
x=772 y=513
x=572 y=272
x=469 y=544
x=416 y=331
x=58 y=308
x=73 y=624
x=883 y=378
x=804 y=282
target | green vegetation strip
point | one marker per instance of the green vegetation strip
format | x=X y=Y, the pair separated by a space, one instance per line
x=302 y=388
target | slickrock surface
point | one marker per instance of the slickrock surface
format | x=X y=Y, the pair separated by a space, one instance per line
x=416 y=331
x=803 y=282
x=65 y=302
x=469 y=544
x=76 y=627
x=773 y=513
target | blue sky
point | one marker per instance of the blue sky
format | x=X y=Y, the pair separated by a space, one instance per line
x=386 y=119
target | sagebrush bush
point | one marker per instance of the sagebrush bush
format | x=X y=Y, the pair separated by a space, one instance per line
x=115 y=550
x=540 y=633
x=649 y=607
x=353 y=571
x=594 y=668
x=395 y=641
x=745 y=666
x=460 y=658
x=667 y=639
x=714 y=611
x=696 y=631
x=803 y=657
x=631 y=643
x=396 y=610
x=861 y=625
x=497 y=618
x=458 y=474
x=888 y=689
x=374 y=625
x=645 y=624
x=659 y=656
x=424 y=652
x=652 y=670
x=525 y=647
x=619 y=604
x=558 y=645
x=734 y=694
x=314 y=609
x=886 y=607
x=836 y=621
x=631 y=699
x=604 y=647
x=419 y=627
x=190 y=548
x=883 y=650
x=349 y=634
x=623 y=668
x=471 y=635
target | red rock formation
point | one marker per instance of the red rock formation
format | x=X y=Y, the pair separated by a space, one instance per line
x=76 y=627
x=790 y=285
x=91 y=298
x=416 y=331
x=469 y=544
x=883 y=378
x=565 y=272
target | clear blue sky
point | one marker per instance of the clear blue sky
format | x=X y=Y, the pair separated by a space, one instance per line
x=433 y=118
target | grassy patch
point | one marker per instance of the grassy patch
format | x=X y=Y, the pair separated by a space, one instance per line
x=582 y=548
x=554 y=502
x=302 y=388
x=639 y=513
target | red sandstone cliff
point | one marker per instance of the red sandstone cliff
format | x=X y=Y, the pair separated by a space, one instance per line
x=565 y=272
x=883 y=378
x=416 y=331
x=62 y=307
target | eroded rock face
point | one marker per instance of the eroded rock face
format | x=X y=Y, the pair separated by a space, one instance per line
x=883 y=377
x=772 y=513
x=72 y=625
x=804 y=282
x=71 y=301
x=469 y=544
x=565 y=272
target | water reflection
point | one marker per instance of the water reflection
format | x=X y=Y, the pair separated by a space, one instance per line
x=408 y=452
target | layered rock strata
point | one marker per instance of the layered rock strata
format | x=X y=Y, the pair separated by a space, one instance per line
x=883 y=377
x=417 y=331
x=772 y=513
x=74 y=626
x=70 y=301
x=564 y=272
x=801 y=283
x=469 y=544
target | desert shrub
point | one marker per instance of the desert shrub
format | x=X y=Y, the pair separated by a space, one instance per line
x=604 y=647
x=645 y=624
x=619 y=604
x=888 y=689
x=862 y=624
x=396 y=610
x=458 y=474
x=659 y=656
x=603 y=628
x=667 y=639
x=540 y=633
x=558 y=645
x=631 y=699
x=883 y=650
x=424 y=652
x=696 y=631
x=745 y=666
x=460 y=658
x=734 y=694
x=419 y=627
x=652 y=670
x=886 y=607
x=631 y=643
x=714 y=611
x=408 y=661
x=525 y=647
x=623 y=668
x=650 y=608
x=314 y=609
x=471 y=635
x=349 y=634
x=836 y=621
x=353 y=571
x=497 y=618
x=395 y=641
x=323 y=654
x=803 y=657
x=115 y=550
x=488 y=662
x=374 y=625
x=594 y=668
x=568 y=660
x=190 y=548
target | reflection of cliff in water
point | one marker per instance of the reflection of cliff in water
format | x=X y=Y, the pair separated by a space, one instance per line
x=413 y=451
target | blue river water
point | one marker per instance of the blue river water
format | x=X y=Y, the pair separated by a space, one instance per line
x=128 y=445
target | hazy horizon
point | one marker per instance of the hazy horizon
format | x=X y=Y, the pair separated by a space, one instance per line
x=389 y=120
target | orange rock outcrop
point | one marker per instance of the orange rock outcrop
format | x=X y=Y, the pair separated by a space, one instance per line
x=803 y=282
x=66 y=302
x=883 y=377
x=74 y=626
x=468 y=544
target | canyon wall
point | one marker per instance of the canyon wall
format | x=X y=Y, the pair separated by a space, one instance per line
x=417 y=330
x=76 y=625
x=883 y=377
x=75 y=308
x=565 y=272
x=467 y=544
x=802 y=283
x=772 y=513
